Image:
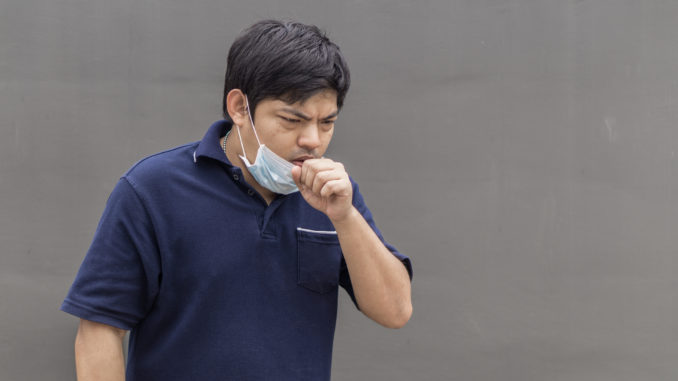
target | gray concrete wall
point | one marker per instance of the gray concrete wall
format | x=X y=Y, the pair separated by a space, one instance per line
x=522 y=152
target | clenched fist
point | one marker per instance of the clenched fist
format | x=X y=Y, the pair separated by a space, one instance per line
x=325 y=185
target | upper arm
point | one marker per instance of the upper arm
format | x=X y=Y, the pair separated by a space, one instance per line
x=119 y=278
x=359 y=204
x=91 y=329
x=99 y=352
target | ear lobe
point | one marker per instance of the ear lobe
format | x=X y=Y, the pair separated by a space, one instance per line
x=237 y=107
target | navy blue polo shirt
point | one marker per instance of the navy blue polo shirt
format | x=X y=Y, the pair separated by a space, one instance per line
x=213 y=283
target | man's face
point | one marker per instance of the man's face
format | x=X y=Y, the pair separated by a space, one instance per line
x=297 y=131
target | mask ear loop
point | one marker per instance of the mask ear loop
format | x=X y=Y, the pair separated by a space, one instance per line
x=251 y=120
x=247 y=103
x=244 y=154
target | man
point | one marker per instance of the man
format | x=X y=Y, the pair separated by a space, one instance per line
x=223 y=256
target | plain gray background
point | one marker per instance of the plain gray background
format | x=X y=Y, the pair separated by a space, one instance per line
x=522 y=152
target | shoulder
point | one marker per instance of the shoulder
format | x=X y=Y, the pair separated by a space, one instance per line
x=155 y=168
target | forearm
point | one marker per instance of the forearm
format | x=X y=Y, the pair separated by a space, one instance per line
x=380 y=281
x=98 y=352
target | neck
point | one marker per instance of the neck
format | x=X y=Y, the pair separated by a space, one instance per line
x=233 y=152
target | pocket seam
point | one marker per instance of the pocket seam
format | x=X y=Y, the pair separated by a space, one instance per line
x=311 y=231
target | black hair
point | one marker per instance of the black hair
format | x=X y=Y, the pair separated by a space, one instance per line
x=284 y=60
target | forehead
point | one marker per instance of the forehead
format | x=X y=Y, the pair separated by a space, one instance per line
x=325 y=100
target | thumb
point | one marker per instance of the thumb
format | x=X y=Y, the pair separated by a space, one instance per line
x=296 y=175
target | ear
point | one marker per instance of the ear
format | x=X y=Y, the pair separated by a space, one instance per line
x=237 y=107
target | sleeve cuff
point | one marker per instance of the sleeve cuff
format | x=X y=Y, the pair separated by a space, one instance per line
x=94 y=315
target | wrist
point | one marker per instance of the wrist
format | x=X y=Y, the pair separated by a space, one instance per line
x=346 y=218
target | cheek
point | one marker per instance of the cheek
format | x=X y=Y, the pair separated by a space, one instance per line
x=275 y=133
x=326 y=138
x=282 y=141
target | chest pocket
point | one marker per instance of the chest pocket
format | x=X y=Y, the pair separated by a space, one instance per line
x=319 y=258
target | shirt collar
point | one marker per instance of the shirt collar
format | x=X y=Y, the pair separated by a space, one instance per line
x=209 y=145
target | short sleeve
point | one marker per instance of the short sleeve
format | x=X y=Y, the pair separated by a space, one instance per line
x=120 y=275
x=344 y=277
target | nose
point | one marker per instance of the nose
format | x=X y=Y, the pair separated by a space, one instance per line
x=309 y=138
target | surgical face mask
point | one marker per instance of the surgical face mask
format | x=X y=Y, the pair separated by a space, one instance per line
x=269 y=170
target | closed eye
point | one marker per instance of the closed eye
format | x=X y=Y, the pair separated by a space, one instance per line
x=291 y=120
x=327 y=125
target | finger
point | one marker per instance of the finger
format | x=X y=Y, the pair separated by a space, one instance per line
x=308 y=170
x=303 y=174
x=296 y=175
x=322 y=177
x=313 y=166
x=319 y=180
x=336 y=187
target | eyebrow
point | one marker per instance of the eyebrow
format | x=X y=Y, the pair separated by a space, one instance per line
x=305 y=117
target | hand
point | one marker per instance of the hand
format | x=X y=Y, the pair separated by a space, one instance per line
x=325 y=185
